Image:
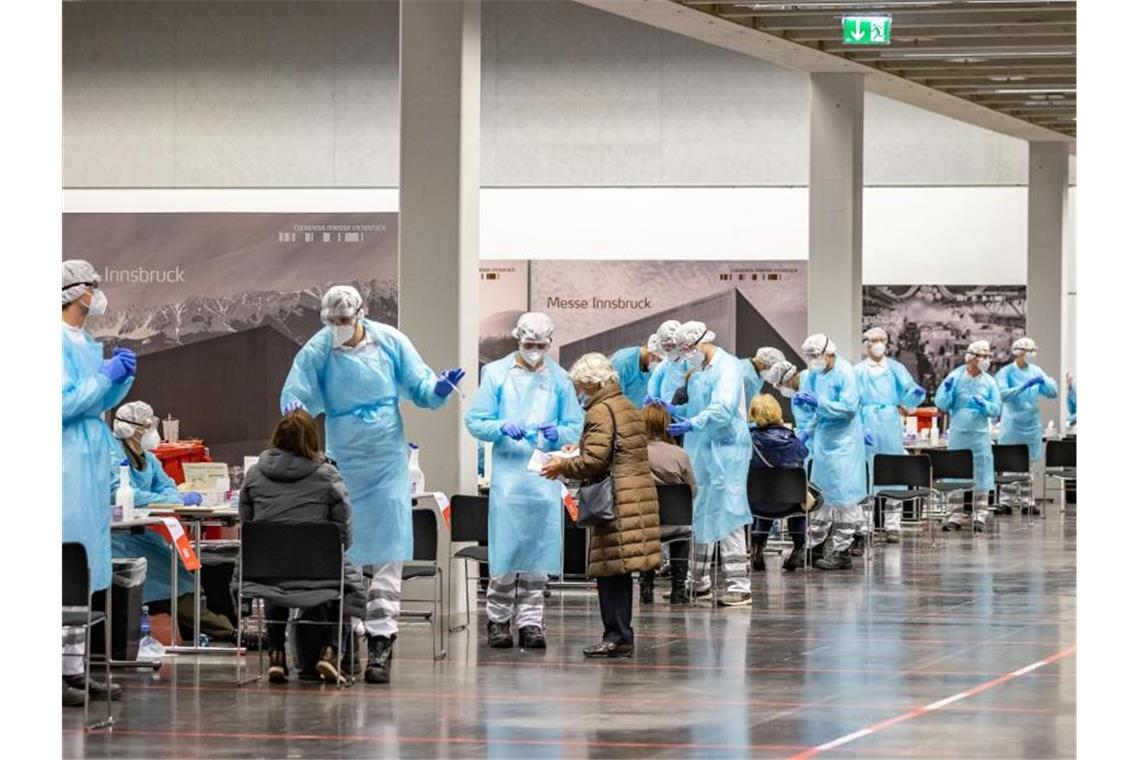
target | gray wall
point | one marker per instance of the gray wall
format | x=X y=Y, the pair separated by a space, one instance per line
x=304 y=94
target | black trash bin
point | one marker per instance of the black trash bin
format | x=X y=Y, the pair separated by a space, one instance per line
x=127 y=578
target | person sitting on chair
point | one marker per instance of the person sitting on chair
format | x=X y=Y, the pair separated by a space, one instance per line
x=775 y=446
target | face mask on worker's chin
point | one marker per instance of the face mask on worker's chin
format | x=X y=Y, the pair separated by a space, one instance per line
x=343 y=333
x=878 y=350
x=532 y=357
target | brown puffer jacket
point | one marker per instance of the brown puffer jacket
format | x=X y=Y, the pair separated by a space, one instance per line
x=632 y=542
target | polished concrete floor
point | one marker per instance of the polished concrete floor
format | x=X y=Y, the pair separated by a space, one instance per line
x=964 y=650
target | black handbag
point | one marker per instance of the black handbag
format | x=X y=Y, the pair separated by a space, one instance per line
x=596 y=501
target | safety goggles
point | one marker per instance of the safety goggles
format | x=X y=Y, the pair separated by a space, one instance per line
x=692 y=346
x=151 y=424
x=534 y=345
x=91 y=285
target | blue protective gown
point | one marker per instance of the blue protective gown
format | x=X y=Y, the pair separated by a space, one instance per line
x=752 y=381
x=359 y=390
x=720 y=448
x=1071 y=401
x=667 y=378
x=87 y=450
x=882 y=390
x=152 y=486
x=634 y=382
x=1020 y=417
x=969 y=428
x=838 y=460
x=525 y=526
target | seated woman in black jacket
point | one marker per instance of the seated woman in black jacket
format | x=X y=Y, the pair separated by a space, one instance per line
x=775 y=446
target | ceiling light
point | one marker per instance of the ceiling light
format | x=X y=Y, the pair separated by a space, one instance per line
x=1028 y=90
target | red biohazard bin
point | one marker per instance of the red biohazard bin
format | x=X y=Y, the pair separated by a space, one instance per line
x=925 y=415
x=174 y=455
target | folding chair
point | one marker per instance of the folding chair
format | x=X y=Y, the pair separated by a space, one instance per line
x=469 y=521
x=953 y=471
x=425 y=564
x=675 y=505
x=273 y=552
x=1011 y=470
x=1060 y=465
x=913 y=473
x=778 y=487
x=77 y=613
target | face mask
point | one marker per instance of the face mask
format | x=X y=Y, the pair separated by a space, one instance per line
x=98 y=305
x=1030 y=357
x=771 y=376
x=878 y=350
x=694 y=357
x=532 y=357
x=817 y=363
x=583 y=399
x=984 y=365
x=150 y=440
x=343 y=333
x=786 y=392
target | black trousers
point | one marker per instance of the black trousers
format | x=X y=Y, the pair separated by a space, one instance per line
x=615 y=596
x=275 y=622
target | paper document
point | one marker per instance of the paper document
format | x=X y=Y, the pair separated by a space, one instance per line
x=539 y=459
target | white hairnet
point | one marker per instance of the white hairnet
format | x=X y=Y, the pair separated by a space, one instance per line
x=694 y=333
x=534 y=325
x=818 y=344
x=654 y=345
x=341 y=301
x=138 y=412
x=769 y=356
x=782 y=371
x=667 y=336
x=875 y=333
x=978 y=347
x=593 y=369
x=1024 y=344
x=77 y=275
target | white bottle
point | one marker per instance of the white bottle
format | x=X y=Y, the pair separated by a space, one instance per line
x=1051 y=430
x=415 y=474
x=934 y=432
x=125 y=495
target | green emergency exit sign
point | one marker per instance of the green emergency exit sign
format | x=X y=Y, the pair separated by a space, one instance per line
x=866 y=30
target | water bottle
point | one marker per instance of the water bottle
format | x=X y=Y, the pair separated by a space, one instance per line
x=149 y=646
x=125 y=495
x=415 y=474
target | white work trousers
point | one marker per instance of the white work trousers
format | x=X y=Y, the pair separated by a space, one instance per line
x=734 y=557
x=840 y=520
x=516 y=596
x=383 y=600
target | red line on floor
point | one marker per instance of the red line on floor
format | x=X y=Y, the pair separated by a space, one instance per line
x=569 y=699
x=437 y=740
x=919 y=711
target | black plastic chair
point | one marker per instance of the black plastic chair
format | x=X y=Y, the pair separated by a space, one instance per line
x=1060 y=463
x=911 y=476
x=780 y=488
x=77 y=613
x=425 y=564
x=470 y=516
x=675 y=516
x=1011 y=470
x=953 y=471
x=272 y=552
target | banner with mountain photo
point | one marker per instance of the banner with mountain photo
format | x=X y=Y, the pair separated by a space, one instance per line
x=929 y=326
x=217 y=304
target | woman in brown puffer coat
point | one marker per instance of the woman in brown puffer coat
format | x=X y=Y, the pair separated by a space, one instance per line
x=614 y=443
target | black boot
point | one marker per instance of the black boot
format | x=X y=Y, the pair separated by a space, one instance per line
x=645 y=580
x=677 y=587
x=531 y=637
x=820 y=552
x=499 y=635
x=379 y=668
x=836 y=561
x=795 y=560
x=99 y=689
x=758 y=553
x=857 y=544
x=72 y=697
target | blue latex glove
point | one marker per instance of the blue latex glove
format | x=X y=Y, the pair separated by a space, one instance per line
x=948 y=384
x=512 y=431
x=1038 y=380
x=679 y=428
x=115 y=369
x=128 y=357
x=804 y=437
x=549 y=431
x=191 y=499
x=805 y=398
x=448 y=380
x=978 y=403
x=292 y=406
x=868 y=439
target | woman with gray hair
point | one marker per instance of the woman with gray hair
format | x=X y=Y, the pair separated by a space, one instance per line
x=614 y=444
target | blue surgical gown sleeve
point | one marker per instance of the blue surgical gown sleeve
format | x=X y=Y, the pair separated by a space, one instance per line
x=161 y=488
x=992 y=398
x=846 y=405
x=1048 y=389
x=911 y=393
x=84 y=394
x=303 y=382
x=724 y=396
x=482 y=419
x=944 y=399
x=570 y=416
x=655 y=379
x=417 y=380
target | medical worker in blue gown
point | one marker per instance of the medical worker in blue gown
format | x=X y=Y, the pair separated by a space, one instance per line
x=92 y=386
x=758 y=369
x=356 y=371
x=670 y=374
x=136 y=428
x=1021 y=383
x=720 y=447
x=525 y=402
x=831 y=391
x=972 y=398
x=886 y=392
x=634 y=366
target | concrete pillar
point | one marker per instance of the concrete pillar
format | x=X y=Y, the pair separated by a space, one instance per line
x=1045 y=298
x=835 y=211
x=439 y=219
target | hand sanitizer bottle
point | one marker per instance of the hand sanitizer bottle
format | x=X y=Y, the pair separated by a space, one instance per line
x=125 y=495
